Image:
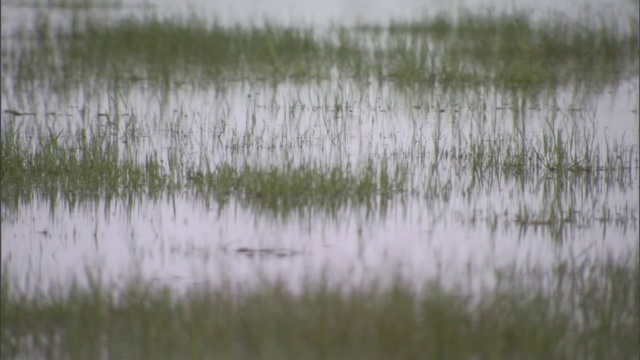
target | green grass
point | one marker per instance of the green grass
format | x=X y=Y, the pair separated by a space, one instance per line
x=508 y=49
x=93 y=163
x=84 y=168
x=505 y=50
x=170 y=52
x=582 y=309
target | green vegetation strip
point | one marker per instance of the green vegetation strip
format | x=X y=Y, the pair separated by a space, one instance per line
x=88 y=169
x=304 y=184
x=583 y=310
x=85 y=167
x=473 y=48
x=509 y=49
x=93 y=169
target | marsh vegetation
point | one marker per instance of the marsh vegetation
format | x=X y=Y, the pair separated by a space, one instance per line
x=484 y=133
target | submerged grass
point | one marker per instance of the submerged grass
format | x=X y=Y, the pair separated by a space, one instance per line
x=96 y=162
x=84 y=168
x=169 y=52
x=88 y=167
x=473 y=48
x=304 y=185
x=81 y=170
x=511 y=49
x=583 y=309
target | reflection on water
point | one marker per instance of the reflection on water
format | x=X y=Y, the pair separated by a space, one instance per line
x=450 y=220
x=182 y=241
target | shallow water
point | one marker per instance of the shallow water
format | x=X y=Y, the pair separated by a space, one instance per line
x=456 y=226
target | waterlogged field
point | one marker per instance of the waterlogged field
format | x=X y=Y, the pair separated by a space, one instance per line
x=462 y=184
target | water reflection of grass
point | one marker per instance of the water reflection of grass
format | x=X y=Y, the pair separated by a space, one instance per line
x=505 y=49
x=85 y=168
x=95 y=159
x=93 y=164
x=583 y=309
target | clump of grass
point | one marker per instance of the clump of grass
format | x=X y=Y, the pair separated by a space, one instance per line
x=86 y=168
x=582 y=309
x=89 y=167
x=169 y=51
x=510 y=49
x=304 y=185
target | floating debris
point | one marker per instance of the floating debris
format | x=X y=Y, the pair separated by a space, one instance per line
x=261 y=252
x=18 y=113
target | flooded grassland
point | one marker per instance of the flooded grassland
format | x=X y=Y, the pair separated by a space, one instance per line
x=458 y=186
